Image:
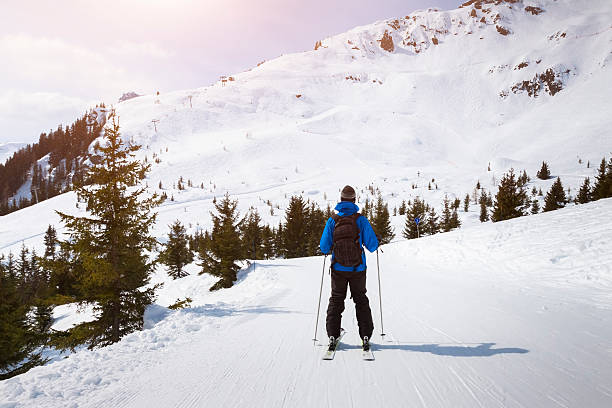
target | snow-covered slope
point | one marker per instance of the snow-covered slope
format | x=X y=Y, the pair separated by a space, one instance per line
x=351 y=112
x=511 y=314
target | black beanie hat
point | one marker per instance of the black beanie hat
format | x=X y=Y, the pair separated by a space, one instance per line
x=347 y=194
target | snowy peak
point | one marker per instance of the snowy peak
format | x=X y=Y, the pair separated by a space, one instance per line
x=417 y=32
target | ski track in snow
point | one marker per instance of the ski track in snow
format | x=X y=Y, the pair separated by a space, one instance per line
x=482 y=317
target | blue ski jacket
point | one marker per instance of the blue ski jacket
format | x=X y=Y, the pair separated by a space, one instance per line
x=367 y=236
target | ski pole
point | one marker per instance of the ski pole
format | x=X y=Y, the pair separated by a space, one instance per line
x=319 y=306
x=382 y=327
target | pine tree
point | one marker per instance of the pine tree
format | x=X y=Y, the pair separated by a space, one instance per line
x=535 y=206
x=23 y=274
x=584 y=194
x=455 y=221
x=402 y=208
x=279 y=246
x=225 y=246
x=109 y=247
x=431 y=225
x=555 y=198
x=315 y=223
x=366 y=208
x=510 y=200
x=18 y=341
x=484 y=212
x=466 y=203
x=427 y=220
x=252 y=240
x=603 y=181
x=294 y=243
x=450 y=218
x=267 y=238
x=63 y=272
x=446 y=215
x=176 y=253
x=544 y=172
x=381 y=222
x=50 y=242
x=523 y=179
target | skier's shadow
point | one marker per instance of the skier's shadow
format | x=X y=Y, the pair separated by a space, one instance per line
x=458 y=350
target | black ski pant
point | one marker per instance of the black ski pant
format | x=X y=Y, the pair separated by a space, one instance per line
x=340 y=280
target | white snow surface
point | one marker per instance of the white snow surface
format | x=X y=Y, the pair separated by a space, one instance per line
x=512 y=314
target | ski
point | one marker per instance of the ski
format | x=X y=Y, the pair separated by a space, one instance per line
x=367 y=355
x=366 y=350
x=329 y=354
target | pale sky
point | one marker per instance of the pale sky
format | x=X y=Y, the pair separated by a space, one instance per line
x=57 y=58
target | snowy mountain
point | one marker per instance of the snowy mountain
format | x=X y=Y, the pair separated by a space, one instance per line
x=453 y=96
x=509 y=314
x=7 y=150
x=478 y=316
x=488 y=86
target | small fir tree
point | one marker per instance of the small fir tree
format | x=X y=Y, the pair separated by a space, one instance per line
x=251 y=232
x=535 y=206
x=584 y=194
x=225 y=246
x=544 y=172
x=555 y=198
x=279 y=245
x=431 y=225
x=445 y=222
x=466 y=203
x=381 y=222
x=419 y=209
x=295 y=244
x=18 y=342
x=455 y=221
x=603 y=181
x=267 y=238
x=402 y=208
x=450 y=218
x=484 y=211
x=50 y=242
x=510 y=200
x=176 y=253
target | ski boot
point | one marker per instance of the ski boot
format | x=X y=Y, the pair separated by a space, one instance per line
x=365 y=343
x=333 y=342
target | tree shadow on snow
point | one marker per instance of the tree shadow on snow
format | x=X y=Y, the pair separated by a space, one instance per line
x=243 y=273
x=459 y=350
x=222 y=309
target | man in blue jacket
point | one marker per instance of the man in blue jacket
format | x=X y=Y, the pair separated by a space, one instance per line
x=344 y=235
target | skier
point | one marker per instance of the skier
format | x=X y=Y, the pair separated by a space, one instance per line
x=344 y=235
